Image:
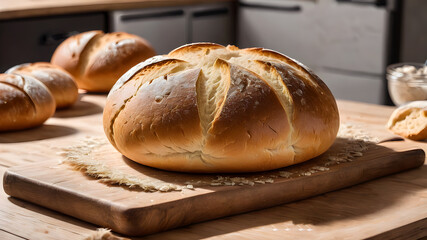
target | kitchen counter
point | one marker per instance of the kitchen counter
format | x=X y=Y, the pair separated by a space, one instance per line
x=390 y=207
x=30 y=8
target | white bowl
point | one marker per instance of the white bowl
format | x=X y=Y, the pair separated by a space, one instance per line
x=407 y=82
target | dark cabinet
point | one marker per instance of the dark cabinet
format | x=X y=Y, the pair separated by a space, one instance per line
x=213 y=24
x=35 y=39
x=341 y=41
x=165 y=28
x=170 y=27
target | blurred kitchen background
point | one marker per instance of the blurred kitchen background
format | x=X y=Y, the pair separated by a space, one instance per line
x=348 y=43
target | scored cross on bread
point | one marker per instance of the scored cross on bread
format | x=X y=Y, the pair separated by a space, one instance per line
x=24 y=102
x=59 y=82
x=209 y=108
x=96 y=59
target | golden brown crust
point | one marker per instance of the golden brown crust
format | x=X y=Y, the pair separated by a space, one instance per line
x=24 y=102
x=226 y=110
x=57 y=80
x=244 y=120
x=314 y=109
x=97 y=60
x=129 y=84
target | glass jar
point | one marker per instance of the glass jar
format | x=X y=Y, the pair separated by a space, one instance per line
x=407 y=82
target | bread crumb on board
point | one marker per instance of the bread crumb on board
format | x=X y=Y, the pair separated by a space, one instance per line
x=80 y=157
x=103 y=234
x=410 y=120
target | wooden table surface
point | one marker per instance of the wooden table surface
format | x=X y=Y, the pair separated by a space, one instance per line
x=10 y=9
x=392 y=207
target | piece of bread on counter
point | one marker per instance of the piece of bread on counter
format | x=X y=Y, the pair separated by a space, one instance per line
x=410 y=120
x=57 y=80
x=96 y=60
x=24 y=102
x=209 y=108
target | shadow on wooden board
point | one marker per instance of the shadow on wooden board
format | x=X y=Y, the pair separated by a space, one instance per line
x=45 y=131
x=80 y=108
x=50 y=213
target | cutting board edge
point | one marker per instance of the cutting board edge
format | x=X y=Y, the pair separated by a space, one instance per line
x=416 y=159
x=125 y=218
x=11 y=178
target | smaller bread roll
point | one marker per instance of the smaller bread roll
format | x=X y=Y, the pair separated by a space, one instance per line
x=96 y=60
x=24 y=102
x=410 y=120
x=57 y=80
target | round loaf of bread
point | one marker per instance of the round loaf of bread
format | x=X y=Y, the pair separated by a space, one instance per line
x=209 y=108
x=57 y=80
x=410 y=120
x=24 y=102
x=96 y=60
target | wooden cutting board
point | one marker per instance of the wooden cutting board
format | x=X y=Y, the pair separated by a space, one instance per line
x=57 y=185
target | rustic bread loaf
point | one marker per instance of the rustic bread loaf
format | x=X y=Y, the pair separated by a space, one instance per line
x=57 y=80
x=96 y=60
x=209 y=108
x=410 y=120
x=24 y=102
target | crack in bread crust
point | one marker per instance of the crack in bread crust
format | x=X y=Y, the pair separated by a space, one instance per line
x=26 y=102
x=23 y=92
x=86 y=54
x=211 y=101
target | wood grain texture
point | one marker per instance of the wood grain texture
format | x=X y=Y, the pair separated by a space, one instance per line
x=390 y=205
x=363 y=211
x=30 y=8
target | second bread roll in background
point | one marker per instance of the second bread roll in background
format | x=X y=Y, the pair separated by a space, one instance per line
x=96 y=60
